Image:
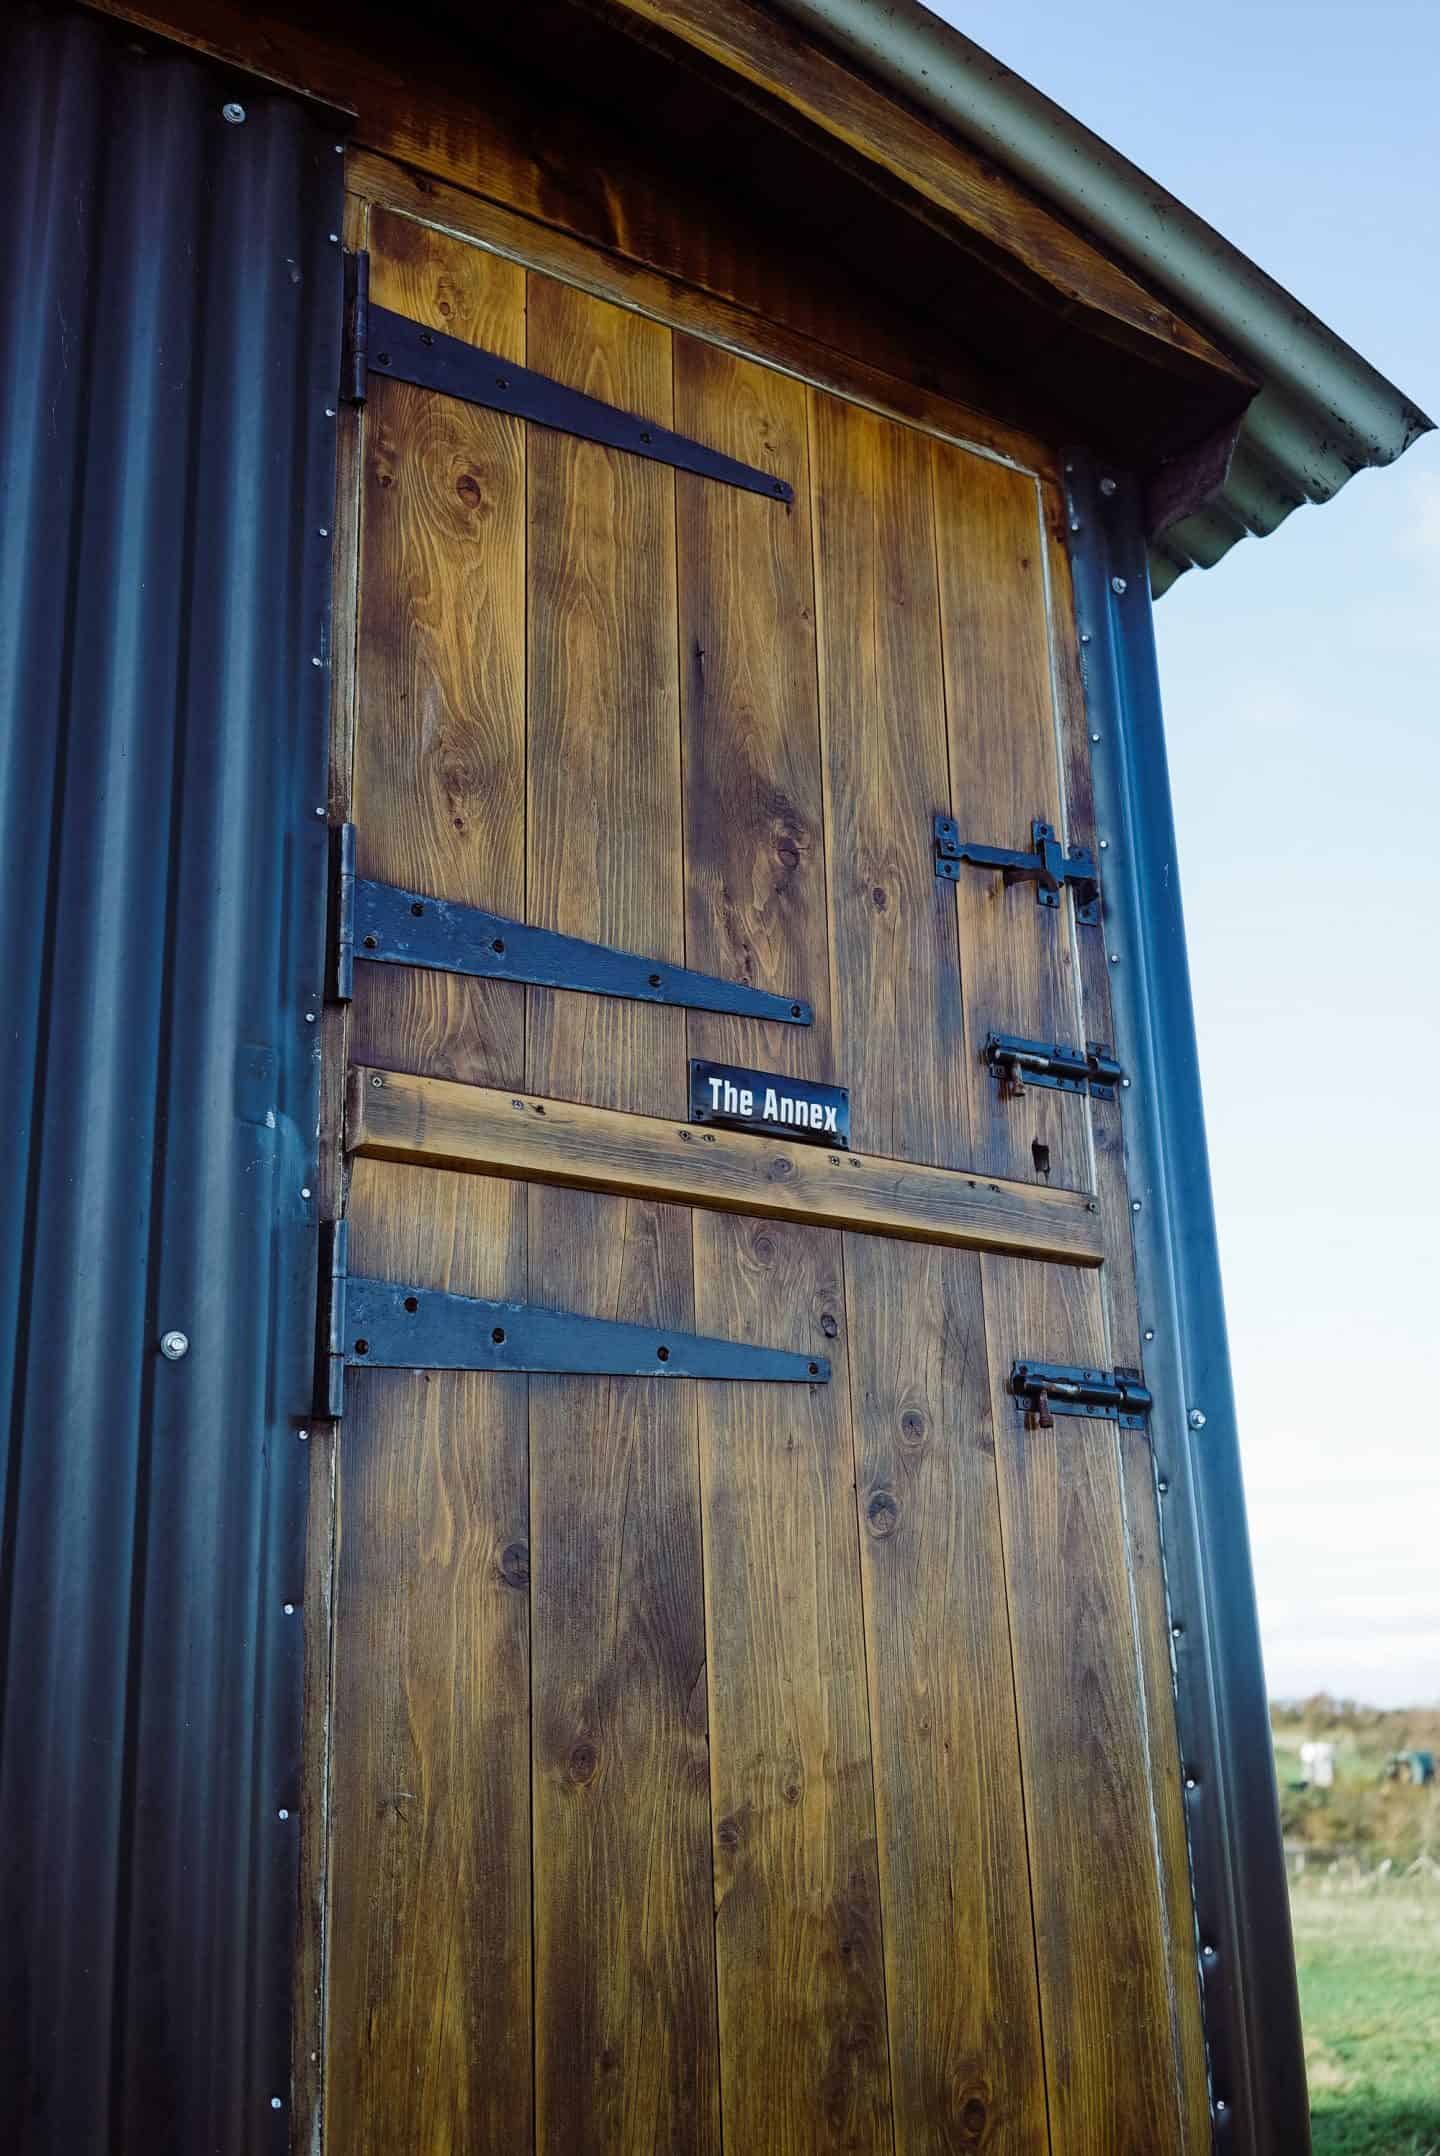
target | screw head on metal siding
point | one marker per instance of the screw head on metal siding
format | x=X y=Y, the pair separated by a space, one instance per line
x=174 y=1345
x=1197 y=1418
x=234 y=113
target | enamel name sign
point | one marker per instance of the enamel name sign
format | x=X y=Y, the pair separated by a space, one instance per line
x=759 y=1100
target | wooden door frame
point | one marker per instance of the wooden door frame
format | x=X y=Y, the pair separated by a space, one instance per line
x=1243 y=1939
x=1234 y=1871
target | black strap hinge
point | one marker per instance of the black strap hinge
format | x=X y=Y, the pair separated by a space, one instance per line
x=1048 y=866
x=388 y=1325
x=355 y=351
x=1048 y=1389
x=379 y=341
x=387 y=925
x=1018 y=1063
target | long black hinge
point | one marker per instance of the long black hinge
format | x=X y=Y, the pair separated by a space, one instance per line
x=386 y=1325
x=1018 y=1063
x=1047 y=865
x=391 y=926
x=1048 y=1389
x=379 y=341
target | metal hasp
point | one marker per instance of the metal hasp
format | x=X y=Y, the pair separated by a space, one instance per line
x=1048 y=1389
x=1018 y=1063
x=385 y=1325
x=382 y=342
x=382 y=923
x=1047 y=865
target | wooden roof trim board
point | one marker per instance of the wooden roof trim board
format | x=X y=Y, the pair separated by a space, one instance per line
x=437 y=1123
x=693 y=310
x=776 y=58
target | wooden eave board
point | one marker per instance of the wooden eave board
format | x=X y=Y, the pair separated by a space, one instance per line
x=617 y=122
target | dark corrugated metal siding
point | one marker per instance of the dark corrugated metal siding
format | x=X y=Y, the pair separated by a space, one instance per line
x=170 y=297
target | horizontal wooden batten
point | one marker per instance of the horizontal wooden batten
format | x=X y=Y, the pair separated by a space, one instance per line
x=433 y=1122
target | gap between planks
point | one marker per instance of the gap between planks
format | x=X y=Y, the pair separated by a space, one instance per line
x=437 y=1123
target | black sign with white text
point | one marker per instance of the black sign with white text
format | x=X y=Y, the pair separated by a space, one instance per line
x=758 y=1100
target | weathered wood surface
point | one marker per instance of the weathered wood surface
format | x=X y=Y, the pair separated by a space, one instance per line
x=804 y=2045
x=1017 y=957
x=440 y=719
x=627 y=2054
x=754 y=790
x=626 y=2045
x=433 y=1122
x=1100 y=1936
x=835 y=347
x=429 y=1944
x=894 y=971
x=964 y=2025
x=786 y=1762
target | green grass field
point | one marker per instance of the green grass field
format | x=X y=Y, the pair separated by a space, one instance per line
x=1369 y=1958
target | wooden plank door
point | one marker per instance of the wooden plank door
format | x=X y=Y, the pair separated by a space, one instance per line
x=757 y=1766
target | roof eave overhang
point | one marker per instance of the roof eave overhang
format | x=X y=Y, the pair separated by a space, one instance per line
x=1322 y=413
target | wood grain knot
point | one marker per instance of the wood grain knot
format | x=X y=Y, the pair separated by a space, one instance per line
x=973 y=2119
x=515 y=1565
x=764 y=1249
x=780 y=1169
x=912 y=1423
x=882 y=1514
x=582 y=1763
x=829 y=1325
x=792 y=1792
x=727 y=1834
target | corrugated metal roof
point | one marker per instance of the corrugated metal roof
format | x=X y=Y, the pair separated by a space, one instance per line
x=169 y=314
x=1323 y=412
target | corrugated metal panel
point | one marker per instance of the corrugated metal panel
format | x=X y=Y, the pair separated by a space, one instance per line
x=170 y=302
x=1247 y=1965
x=1323 y=412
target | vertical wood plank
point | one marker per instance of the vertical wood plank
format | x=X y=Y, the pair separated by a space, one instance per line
x=959 y=1948
x=440 y=727
x=1017 y=957
x=626 y=2044
x=1127 y=1345
x=429 y=2023
x=604 y=749
x=1100 y=1922
x=797 y=1926
x=895 y=987
x=627 y=2051
x=754 y=815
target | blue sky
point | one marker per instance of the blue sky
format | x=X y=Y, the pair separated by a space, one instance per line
x=1304 y=720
